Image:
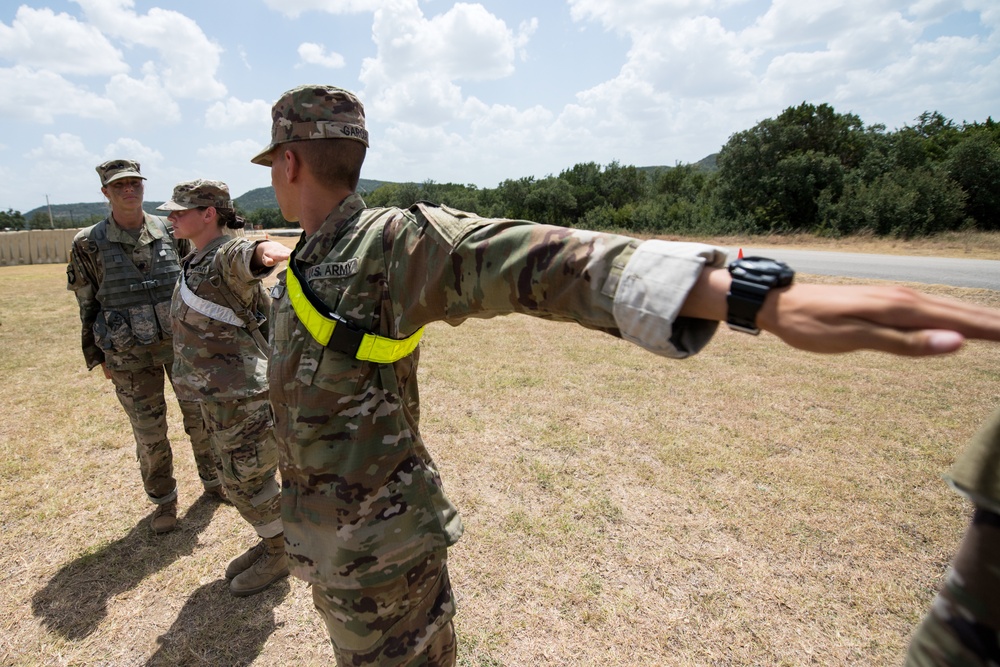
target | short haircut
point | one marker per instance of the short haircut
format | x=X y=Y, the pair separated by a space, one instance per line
x=334 y=162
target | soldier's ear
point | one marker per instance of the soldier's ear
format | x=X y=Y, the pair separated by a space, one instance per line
x=292 y=165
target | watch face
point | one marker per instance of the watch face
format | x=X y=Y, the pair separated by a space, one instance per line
x=759 y=265
x=769 y=270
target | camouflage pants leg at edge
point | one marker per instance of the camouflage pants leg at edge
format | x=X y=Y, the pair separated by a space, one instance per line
x=140 y=393
x=963 y=626
x=404 y=622
x=241 y=433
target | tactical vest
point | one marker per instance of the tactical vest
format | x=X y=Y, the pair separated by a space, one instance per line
x=222 y=304
x=135 y=308
x=215 y=354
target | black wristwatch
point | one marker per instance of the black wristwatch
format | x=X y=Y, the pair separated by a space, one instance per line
x=753 y=279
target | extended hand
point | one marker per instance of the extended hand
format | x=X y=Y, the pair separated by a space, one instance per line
x=269 y=253
x=841 y=318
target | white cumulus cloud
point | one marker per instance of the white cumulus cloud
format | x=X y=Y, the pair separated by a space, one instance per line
x=41 y=39
x=232 y=113
x=316 y=54
x=41 y=96
x=188 y=61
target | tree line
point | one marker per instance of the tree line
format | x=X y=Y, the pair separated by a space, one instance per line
x=808 y=170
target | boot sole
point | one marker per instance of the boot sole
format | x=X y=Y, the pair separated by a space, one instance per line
x=253 y=591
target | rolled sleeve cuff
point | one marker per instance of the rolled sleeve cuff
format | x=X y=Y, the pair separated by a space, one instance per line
x=653 y=287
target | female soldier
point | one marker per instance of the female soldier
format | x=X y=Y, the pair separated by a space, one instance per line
x=220 y=360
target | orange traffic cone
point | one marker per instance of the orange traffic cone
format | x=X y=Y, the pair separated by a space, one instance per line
x=740 y=255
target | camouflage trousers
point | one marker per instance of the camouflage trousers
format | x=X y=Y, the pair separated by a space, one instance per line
x=241 y=432
x=404 y=622
x=140 y=393
x=963 y=624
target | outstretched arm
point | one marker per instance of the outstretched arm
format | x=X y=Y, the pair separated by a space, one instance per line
x=842 y=318
x=268 y=254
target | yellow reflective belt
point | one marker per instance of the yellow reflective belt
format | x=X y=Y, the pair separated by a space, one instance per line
x=372 y=347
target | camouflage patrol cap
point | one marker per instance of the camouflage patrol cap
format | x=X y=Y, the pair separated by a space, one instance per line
x=315 y=112
x=192 y=194
x=112 y=170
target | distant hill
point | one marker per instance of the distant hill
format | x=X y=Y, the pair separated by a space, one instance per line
x=256 y=198
x=707 y=163
x=85 y=210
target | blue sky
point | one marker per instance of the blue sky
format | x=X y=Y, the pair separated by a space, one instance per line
x=461 y=92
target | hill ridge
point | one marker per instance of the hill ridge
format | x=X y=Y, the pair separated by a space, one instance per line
x=258 y=197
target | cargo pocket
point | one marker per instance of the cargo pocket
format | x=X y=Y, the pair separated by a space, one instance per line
x=238 y=451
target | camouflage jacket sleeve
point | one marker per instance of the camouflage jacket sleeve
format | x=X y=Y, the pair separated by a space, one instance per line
x=476 y=267
x=237 y=256
x=83 y=277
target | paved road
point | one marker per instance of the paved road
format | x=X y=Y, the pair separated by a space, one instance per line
x=984 y=273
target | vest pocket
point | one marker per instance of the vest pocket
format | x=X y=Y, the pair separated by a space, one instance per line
x=144 y=326
x=163 y=317
x=112 y=332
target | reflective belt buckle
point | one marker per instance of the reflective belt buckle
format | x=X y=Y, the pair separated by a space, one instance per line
x=146 y=284
x=346 y=338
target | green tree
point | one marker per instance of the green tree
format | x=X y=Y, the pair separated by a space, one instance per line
x=585 y=181
x=13 y=220
x=621 y=185
x=902 y=203
x=772 y=176
x=266 y=218
x=510 y=197
x=551 y=201
x=974 y=164
x=400 y=195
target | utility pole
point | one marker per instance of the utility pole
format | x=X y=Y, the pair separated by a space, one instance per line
x=52 y=225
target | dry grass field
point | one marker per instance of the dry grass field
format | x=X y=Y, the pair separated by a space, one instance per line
x=749 y=506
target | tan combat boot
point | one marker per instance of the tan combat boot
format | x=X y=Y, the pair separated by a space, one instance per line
x=217 y=493
x=245 y=560
x=164 y=518
x=270 y=566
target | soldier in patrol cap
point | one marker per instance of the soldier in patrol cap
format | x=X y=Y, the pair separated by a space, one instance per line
x=122 y=271
x=366 y=518
x=220 y=362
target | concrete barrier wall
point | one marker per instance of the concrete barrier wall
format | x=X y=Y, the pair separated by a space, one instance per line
x=39 y=246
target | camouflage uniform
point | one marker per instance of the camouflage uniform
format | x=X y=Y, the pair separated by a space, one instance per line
x=963 y=624
x=363 y=503
x=218 y=365
x=133 y=341
x=366 y=518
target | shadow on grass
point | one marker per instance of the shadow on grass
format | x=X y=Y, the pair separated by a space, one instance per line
x=215 y=628
x=75 y=600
